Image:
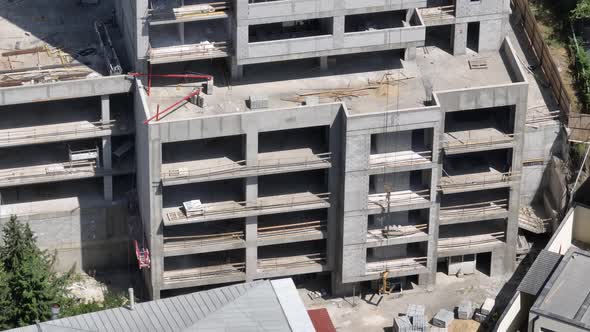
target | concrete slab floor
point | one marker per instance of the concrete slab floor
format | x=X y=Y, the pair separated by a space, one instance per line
x=65 y=27
x=368 y=317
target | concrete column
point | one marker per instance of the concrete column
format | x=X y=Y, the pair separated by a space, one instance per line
x=106 y=149
x=490 y=35
x=410 y=53
x=251 y=226
x=497 y=268
x=460 y=39
x=323 y=63
x=181 y=32
x=237 y=71
x=338 y=31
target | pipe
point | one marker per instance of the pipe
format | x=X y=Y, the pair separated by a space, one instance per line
x=171 y=107
x=131 y=299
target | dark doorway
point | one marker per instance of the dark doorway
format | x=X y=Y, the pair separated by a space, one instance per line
x=484 y=263
x=473 y=36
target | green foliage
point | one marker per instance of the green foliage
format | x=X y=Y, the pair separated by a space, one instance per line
x=581 y=73
x=582 y=10
x=29 y=279
x=28 y=284
x=72 y=306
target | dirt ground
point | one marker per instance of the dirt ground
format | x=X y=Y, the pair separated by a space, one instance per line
x=371 y=314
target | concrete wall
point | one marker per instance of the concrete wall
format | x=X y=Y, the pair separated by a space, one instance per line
x=89 y=238
x=338 y=42
x=359 y=129
x=65 y=90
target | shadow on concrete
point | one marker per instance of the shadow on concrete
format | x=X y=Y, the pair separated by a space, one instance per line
x=64 y=25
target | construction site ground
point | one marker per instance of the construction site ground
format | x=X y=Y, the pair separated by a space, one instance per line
x=368 y=316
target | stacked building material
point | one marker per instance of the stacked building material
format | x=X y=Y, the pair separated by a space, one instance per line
x=465 y=310
x=419 y=323
x=415 y=310
x=443 y=318
x=402 y=324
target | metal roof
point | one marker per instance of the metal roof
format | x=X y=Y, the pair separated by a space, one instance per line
x=254 y=306
x=539 y=272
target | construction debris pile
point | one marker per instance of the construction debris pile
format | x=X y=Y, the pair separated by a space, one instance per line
x=42 y=64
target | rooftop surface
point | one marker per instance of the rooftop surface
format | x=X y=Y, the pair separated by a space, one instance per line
x=566 y=294
x=256 y=306
x=51 y=40
x=367 y=83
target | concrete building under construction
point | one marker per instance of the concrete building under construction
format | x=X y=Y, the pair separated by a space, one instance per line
x=279 y=138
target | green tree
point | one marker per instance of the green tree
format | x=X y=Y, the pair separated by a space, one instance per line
x=582 y=10
x=6 y=307
x=32 y=285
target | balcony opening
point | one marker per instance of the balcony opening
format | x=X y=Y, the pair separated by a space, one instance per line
x=396 y=189
x=398 y=225
x=397 y=258
x=473 y=36
x=292 y=226
x=290 y=30
x=482 y=129
x=477 y=171
x=205 y=236
x=375 y=21
x=484 y=263
x=283 y=257
x=222 y=195
x=310 y=183
x=203 y=158
x=403 y=148
x=441 y=37
x=204 y=266
x=476 y=205
x=471 y=236
x=294 y=147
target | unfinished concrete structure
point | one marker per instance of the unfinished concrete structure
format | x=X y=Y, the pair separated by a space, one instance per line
x=64 y=120
x=352 y=137
x=344 y=137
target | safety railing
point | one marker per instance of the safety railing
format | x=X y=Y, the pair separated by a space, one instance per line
x=55 y=132
x=239 y=167
x=460 y=182
x=61 y=169
x=398 y=198
x=457 y=145
x=400 y=159
x=470 y=241
x=203 y=50
x=291 y=230
x=182 y=242
x=206 y=272
x=397 y=265
x=289 y=201
x=290 y=262
x=473 y=209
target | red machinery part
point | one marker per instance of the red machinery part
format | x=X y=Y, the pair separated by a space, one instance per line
x=143 y=256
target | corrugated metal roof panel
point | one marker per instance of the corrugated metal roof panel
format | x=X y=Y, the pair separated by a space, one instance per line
x=539 y=272
x=252 y=306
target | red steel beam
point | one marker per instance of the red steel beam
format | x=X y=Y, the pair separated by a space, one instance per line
x=171 y=107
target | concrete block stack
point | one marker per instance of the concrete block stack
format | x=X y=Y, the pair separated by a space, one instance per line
x=415 y=310
x=465 y=310
x=486 y=309
x=402 y=324
x=419 y=323
x=443 y=318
